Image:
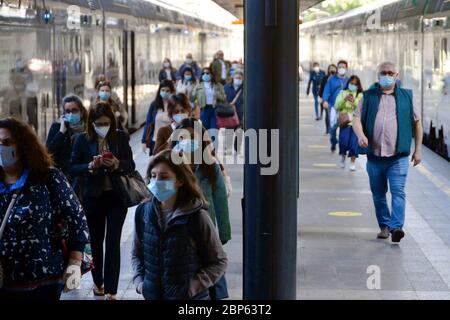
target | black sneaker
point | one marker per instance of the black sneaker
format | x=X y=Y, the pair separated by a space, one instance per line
x=397 y=235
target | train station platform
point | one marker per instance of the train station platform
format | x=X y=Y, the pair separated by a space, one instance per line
x=337 y=246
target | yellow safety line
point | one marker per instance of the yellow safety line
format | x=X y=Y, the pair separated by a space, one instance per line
x=435 y=180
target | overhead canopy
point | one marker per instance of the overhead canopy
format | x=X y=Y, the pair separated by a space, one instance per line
x=236 y=7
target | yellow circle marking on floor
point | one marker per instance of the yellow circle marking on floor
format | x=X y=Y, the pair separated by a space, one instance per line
x=325 y=165
x=345 y=214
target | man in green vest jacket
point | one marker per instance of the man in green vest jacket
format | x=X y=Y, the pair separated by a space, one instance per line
x=385 y=122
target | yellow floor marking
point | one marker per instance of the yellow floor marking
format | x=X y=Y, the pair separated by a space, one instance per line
x=435 y=180
x=325 y=165
x=345 y=214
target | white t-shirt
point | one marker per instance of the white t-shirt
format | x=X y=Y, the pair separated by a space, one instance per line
x=168 y=74
x=224 y=70
x=161 y=120
x=209 y=93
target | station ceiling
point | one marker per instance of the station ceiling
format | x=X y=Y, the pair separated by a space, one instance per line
x=236 y=7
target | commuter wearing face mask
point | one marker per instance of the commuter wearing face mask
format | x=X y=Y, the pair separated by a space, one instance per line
x=61 y=135
x=186 y=85
x=346 y=104
x=176 y=254
x=211 y=180
x=332 y=69
x=235 y=93
x=189 y=63
x=157 y=116
x=114 y=96
x=385 y=121
x=32 y=265
x=207 y=95
x=220 y=68
x=98 y=154
x=167 y=72
x=315 y=79
x=334 y=86
x=178 y=109
x=104 y=90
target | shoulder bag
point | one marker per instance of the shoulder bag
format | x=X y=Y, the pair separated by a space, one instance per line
x=3 y=226
x=130 y=187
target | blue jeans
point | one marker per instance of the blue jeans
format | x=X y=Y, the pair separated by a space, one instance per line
x=333 y=135
x=208 y=118
x=348 y=142
x=392 y=170
x=316 y=104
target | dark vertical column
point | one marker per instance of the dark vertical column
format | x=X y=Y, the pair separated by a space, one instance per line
x=270 y=202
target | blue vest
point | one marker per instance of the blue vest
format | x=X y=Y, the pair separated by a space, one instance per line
x=405 y=117
x=171 y=258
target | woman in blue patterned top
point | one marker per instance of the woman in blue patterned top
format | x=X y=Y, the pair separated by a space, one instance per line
x=31 y=259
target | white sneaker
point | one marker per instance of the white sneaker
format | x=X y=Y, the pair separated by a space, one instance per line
x=342 y=163
x=352 y=167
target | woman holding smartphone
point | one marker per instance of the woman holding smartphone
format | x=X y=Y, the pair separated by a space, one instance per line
x=97 y=154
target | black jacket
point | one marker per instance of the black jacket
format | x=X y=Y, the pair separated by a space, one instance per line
x=83 y=152
x=60 y=146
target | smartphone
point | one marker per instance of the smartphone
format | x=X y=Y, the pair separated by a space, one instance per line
x=107 y=155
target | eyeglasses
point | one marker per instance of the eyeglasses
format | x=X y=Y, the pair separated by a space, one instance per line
x=388 y=73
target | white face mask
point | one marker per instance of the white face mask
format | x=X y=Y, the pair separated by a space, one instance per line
x=179 y=117
x=7 y=156
x=101 y=131
x=166 y=64
x=316 y=69
x=342 y=71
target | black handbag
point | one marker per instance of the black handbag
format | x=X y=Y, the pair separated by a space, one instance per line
x=224 y=111
x=130 y=188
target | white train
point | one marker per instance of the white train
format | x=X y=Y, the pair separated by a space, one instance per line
x=51 y=48
x=413 y=33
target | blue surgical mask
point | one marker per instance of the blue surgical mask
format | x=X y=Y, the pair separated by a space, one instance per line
x=352 y=87
x=163 y=190
x=187 y=146
x=188 y=78
x=72 y=118
x=104 y=95
x=206 y=77
x=8 y=156
x=164 y=94
x=237 y=82
x=179 y=117
x=386 y=81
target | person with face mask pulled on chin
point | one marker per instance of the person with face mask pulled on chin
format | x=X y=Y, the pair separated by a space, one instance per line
x=98 y=154
x=385 y=121
x=334 y=86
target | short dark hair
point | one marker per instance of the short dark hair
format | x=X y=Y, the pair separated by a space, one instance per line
x=101 y=109
x=178 y=99
x=188 y=70
x=344 y=62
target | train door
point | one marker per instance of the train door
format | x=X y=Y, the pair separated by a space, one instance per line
x=129 y=76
